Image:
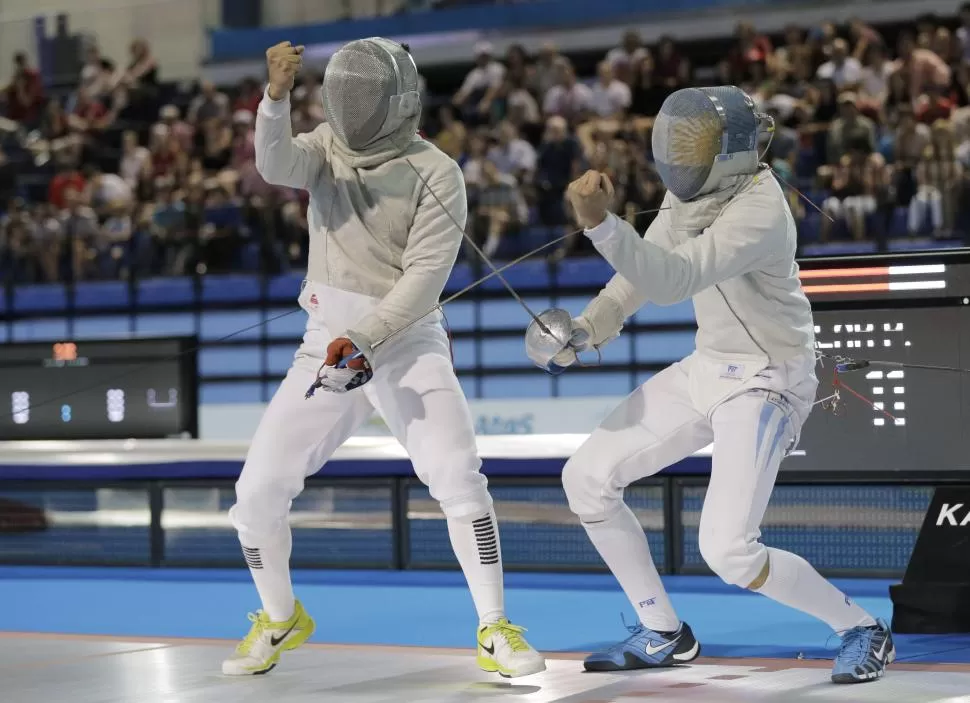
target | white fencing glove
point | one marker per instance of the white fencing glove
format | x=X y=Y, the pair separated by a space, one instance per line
x=344 y=369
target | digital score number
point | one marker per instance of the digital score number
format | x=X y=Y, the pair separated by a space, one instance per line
x=114 y=404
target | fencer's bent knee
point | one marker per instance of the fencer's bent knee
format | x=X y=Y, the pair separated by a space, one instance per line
x=733 y=557
x=262 y=504
x=455 y=480
x=587 y=490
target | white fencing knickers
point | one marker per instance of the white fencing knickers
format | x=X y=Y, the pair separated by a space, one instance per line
x=673 y=415
x=414 y=389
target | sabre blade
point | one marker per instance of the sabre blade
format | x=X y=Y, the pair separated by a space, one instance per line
x=475 y=284
x=845 y=364
x=482 y=255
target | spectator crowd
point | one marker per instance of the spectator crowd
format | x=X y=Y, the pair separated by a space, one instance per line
x=127 y=176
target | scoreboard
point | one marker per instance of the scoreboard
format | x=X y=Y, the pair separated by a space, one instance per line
x=139 y=389
x=913 y=310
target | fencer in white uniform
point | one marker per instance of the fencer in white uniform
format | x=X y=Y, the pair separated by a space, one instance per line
x=381 y=249
x=726 y=240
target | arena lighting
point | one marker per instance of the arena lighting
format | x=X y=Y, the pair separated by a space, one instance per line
x=873 y=271
x=870 y=272
x=870 y=287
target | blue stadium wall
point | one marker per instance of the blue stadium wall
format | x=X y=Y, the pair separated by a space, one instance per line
x=246 y=368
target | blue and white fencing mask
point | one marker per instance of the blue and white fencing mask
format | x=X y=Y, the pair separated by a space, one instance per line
x=702 y=136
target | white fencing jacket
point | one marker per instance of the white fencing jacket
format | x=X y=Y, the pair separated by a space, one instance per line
x=733 y=253
x=374 y=227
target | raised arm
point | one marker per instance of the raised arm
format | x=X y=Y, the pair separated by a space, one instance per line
x=430 y=253
x=747 y=234
x=619 y=299
x=281 y=159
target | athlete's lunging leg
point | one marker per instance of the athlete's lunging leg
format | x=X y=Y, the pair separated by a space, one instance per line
x=726 y=239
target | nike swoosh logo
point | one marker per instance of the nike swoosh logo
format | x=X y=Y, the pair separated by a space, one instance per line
x=881 y=654
x=490 y=650
x=651 y=650
x=275 y=641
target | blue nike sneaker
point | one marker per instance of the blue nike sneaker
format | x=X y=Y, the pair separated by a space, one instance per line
x=646 y=649
x=864 y=655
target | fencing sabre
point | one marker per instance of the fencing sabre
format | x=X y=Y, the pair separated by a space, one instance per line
x=497 y=272
x=478 y=250
x=481 y=254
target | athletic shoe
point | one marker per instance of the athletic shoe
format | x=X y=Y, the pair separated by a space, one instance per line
x=260 y=651
x=864 y=655
x=646 y=649
x=502 y=649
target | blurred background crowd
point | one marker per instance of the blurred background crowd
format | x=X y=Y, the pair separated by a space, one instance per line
x=122 y=174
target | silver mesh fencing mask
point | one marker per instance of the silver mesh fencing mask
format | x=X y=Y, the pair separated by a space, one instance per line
x=703 y=135
x=370 y=91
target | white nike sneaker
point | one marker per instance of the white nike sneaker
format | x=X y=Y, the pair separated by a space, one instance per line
x=503 y=650
x=260 y=652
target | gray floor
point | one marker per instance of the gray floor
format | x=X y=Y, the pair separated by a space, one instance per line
x=46 y=668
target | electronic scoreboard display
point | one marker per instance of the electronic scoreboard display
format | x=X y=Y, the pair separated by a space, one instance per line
x=120 y=389
x=914 y=310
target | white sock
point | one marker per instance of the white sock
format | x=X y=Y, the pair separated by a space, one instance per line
x=270 y=567
x=792 y=581
x=479 y=552
x=623 y=546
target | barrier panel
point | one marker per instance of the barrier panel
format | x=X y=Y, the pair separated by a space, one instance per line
x=164 y=503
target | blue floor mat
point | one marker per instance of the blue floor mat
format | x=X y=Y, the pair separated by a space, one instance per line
x=424 y=608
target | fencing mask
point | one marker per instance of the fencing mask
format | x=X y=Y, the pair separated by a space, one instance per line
x=370 y=92
x=704 y=135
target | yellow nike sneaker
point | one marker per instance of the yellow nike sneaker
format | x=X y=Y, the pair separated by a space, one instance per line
x=502 y=649
x=260 y=651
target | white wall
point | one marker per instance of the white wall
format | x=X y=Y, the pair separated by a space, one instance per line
x=174 y=28
x=238 y=421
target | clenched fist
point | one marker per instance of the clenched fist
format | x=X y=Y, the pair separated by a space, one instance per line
x=283 y=61
x=591 y=196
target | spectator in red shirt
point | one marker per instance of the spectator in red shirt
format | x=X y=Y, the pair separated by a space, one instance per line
x=166 y=151
x=249 y=96
x=171 y=119
x=934 y=105
x=25 y=94
x=751 y=48
x=670 y=68
x=67 y=178
x=89 y=114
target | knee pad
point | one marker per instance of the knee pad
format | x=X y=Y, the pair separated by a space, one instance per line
x=733 y=558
